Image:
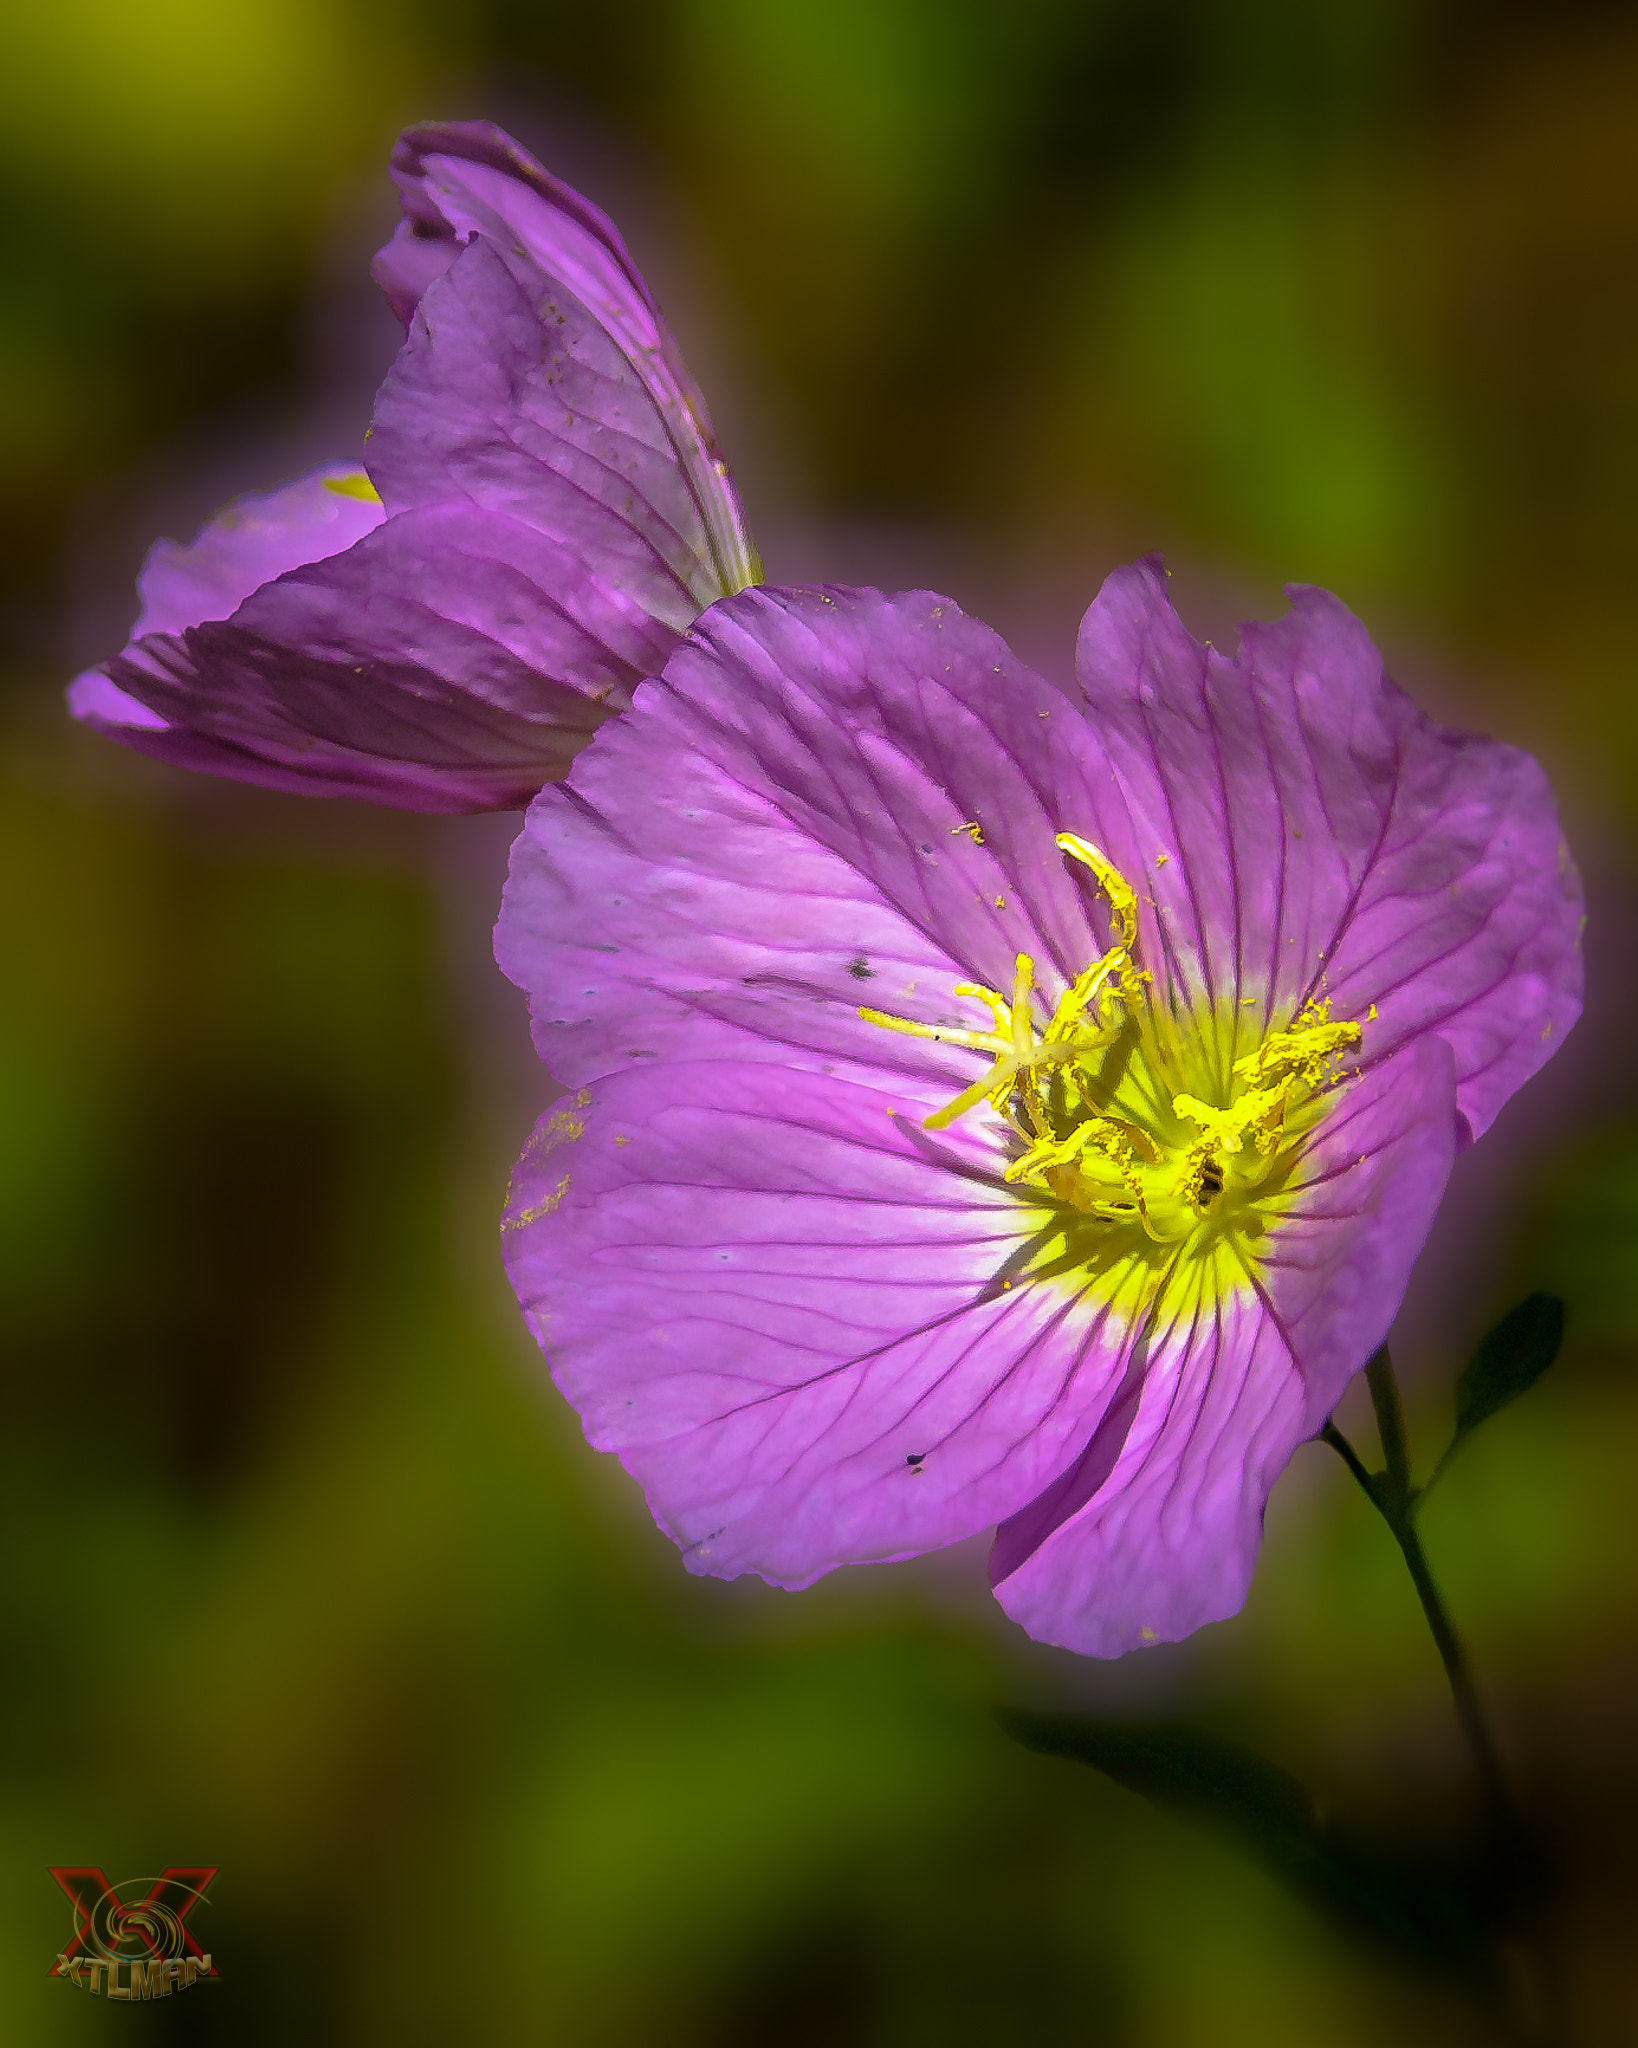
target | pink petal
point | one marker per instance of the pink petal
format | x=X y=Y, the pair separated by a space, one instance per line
x=256 y=538
x=1322 y=837
x=467 y=179
x=788 y=1310
x=451 y=660
x=824 y=753
x=523 y=405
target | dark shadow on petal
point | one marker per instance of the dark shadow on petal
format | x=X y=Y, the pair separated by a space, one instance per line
x=1022 y=1534
x=926 y=1145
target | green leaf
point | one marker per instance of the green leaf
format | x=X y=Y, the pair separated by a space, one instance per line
x=1509 y=1361
x=1429 y=1916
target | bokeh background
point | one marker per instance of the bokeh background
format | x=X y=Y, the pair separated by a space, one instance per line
x=303 y=1571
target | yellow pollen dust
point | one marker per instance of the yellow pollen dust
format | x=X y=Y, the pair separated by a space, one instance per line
x=1145 y=1120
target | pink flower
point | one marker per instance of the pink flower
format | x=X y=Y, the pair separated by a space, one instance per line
x=1178 y=1004
x=541 y=512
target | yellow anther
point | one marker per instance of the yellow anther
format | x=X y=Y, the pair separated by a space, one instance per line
x=979 y=993
x=1122 y=896
x=355 y=485
x=1101 y=1136
x=1226 y=1130
x=1104 y=979
x=1023 y=985
x=1302 y=1053
x=1221 y=1130
x=1095 y=1169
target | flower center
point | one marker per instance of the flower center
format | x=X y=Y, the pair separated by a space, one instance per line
x=1132 y=1114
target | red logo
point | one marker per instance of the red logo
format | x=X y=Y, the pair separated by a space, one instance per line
x=131 y=1940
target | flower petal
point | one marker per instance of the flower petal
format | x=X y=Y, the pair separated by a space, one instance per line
x=1149 y=1536
x=1320 y=836
x=825 y=758
x=522 y=404
x=249 y=542
x=451 y=660
x=791 y=1314
x=1372 y=1177
x=96 y=702
x=466 y=179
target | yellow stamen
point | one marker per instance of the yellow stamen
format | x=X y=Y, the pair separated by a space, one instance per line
x=1122 y=896
x=946 y=1034
x=1093 y=1095
x=1305 y=1051
x=1096 y=981
x=998 y=1005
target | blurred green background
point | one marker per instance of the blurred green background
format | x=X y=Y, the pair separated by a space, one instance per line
x=302 y=1571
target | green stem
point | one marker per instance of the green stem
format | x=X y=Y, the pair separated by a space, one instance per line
x=1333 y=1436
x=1394 y=1497
x=1390 y=1426
x=1469 y=1710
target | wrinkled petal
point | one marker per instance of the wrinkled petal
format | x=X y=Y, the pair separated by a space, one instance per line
x=97 y=702
x=251 y=541
x=526 y=407
x=464 y=179
x=453 y=659
x=257 y=537
x=791 y=1315
x=1307 y=831
x=1373 y=1176
x=457 y=179
x=824 y=752
x=1154 y=1530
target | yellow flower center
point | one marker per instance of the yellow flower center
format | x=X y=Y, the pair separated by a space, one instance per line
x=1167 y=1131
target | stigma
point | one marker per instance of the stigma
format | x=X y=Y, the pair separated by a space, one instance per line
x=1138 y=1118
